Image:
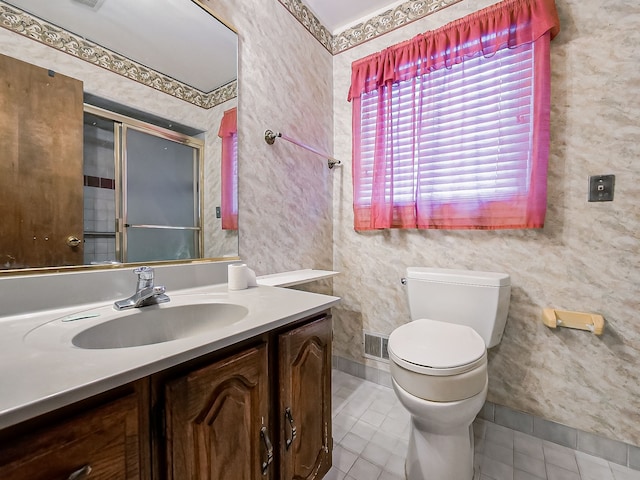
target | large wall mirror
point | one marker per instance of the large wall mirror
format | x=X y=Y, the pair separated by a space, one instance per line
x=94 y=85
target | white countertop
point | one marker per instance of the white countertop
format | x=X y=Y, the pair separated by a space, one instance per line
x=38 y=377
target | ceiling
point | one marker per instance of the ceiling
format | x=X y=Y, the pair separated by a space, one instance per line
x=337 y=15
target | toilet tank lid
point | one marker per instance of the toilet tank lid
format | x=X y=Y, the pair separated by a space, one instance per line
x=465 y=277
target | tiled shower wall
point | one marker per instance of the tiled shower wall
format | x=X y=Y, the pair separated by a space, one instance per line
x=99 y=224
x=99 y=196
x=587 y=257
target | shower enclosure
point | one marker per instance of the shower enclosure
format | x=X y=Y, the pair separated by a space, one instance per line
x=142 y=191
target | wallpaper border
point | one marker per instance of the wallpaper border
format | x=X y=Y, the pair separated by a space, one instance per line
x=32 y=27
x=378 y=25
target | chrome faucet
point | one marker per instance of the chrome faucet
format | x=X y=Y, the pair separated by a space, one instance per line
x=146 y=292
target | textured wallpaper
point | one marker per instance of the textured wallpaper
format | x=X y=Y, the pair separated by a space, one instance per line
x=587 y=257
x=285 y=192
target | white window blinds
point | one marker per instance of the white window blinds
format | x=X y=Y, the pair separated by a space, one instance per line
x=453 y=134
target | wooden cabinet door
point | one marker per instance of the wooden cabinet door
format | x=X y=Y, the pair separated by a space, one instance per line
x=41 y=178
x=305 y=401
x=103 y=443
x=214 y=420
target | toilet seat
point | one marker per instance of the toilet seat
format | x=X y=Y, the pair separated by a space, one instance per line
x=432 y=347
x=438 y=361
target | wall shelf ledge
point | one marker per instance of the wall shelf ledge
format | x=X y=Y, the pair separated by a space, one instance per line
x=294 y=277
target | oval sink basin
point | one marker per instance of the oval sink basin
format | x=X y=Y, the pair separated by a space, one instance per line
x=104 y=327
x=157 y=324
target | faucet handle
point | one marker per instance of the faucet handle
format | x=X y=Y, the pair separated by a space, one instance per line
x=159 y=290
x=144 y=273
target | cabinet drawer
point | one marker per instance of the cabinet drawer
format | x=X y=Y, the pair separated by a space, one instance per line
x=104 y=440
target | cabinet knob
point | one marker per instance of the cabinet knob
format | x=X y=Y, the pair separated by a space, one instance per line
x=81 y=473
x=269 y=449
x=288 y=416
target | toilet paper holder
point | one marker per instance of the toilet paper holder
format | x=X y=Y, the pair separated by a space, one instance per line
x=592 y=322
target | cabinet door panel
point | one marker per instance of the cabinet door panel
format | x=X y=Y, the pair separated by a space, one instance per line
x=106 y=439
x=305 y=390
x=214 y=416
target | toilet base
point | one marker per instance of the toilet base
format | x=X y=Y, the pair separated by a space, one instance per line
x=437 y=456
x=441 y=440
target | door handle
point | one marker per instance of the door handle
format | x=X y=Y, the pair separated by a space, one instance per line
x=294 y=432
x=73 y=241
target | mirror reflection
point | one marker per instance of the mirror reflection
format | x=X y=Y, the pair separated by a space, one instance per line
x=156 y=177
x=145 y=206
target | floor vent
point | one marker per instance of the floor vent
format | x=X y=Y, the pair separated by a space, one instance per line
x=375 y=346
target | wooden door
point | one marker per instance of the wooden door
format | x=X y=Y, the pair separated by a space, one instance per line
x=41 y=177
x=217 y=418
x=305 y=401
x=102 y=444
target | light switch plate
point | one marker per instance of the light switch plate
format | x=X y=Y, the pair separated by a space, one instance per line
x=601 y=188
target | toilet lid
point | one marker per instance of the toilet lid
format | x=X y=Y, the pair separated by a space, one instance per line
x=436 y=348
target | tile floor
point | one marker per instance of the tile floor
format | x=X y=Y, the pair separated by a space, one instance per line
x=371 y=431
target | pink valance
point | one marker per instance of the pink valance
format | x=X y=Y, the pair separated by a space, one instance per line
x=229 y=123
x=509 y=23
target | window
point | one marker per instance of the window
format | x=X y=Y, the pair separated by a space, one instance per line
x=457 y=135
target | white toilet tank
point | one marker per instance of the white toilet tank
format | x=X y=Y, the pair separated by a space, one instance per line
x=479 y=300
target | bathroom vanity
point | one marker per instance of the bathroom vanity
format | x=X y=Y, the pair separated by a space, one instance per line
x=249 y=400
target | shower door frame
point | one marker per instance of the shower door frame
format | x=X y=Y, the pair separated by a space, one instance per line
x=121 y=123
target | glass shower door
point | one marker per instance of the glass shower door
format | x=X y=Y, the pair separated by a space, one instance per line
x=160 y=203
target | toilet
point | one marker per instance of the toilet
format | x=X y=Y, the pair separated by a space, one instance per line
x=438 y=364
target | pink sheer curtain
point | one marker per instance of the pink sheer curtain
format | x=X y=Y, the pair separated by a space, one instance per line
x=229 y=171
x=381 y=79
